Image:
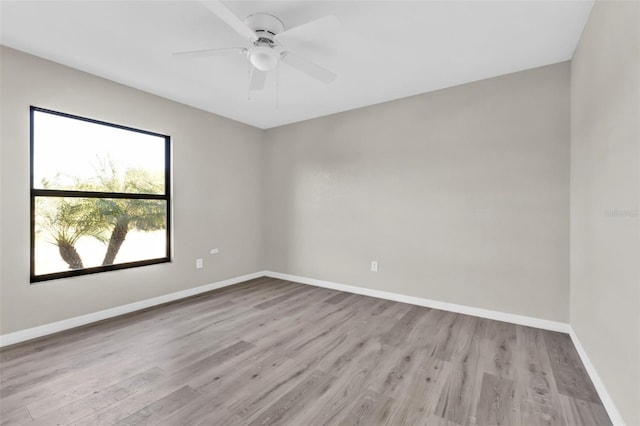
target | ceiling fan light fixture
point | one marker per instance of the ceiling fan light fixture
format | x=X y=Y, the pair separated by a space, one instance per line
x=263 y=58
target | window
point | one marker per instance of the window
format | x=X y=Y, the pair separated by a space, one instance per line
x=100 y=196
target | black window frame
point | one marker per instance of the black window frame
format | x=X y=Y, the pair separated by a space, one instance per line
x=35 y=192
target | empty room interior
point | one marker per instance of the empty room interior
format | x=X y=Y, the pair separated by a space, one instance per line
x=320 y=213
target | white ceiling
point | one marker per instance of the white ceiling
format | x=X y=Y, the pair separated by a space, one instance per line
x=383 y=50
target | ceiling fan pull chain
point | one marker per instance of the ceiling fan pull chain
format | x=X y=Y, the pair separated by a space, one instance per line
x=249 y=83
x=277 y=86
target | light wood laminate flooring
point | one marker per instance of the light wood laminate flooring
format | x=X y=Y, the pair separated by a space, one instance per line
x=275 y=352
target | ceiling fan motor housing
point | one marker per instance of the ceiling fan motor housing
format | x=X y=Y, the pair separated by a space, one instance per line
x=265 y=26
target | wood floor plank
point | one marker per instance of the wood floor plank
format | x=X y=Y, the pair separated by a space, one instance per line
x=194 y=413
x=392 y=370
x=197 y=368
x=283 y=298
x=270 y=351
x=497 y=345
x=233 y=380
x=456 y=402
x=496 y=403
x=418 y=396
x=370 y=408
x=580 y=412
x=461 y=391
x=358 y=409
x=535 y=388
x=323 y=332
x=221 y=417
x=17 y=417
x=160 y=409
x=278 y=382
x=490 y=345
x=291 y=320
x=284 y=409
x=568 y=371
x=350 y=383
x=123 y=408
x=434 y=420
x=337 y=298
x=65 y=396
x=64 y=378
x=382 y=307
x=100 y=399
x=448 y=334
x=204 y=359
x=292 y=337
x=404 y=326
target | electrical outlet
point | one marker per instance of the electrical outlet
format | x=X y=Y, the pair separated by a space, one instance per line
x=374 y=266
x=215 y=251
x=198 y=263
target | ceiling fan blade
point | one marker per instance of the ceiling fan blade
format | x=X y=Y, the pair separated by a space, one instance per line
x=257 y=79
x=229 y=18
x=310 y=31
x=308 y=67
x=210 y=52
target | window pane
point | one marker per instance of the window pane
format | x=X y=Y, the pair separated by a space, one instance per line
x=72 y=154
x=78 y=233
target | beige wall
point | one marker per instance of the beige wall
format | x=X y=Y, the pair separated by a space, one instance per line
x=462 y=195
x=605 y=198
x=217 y=172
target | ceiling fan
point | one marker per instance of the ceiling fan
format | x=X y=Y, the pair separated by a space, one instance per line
x=267 y=37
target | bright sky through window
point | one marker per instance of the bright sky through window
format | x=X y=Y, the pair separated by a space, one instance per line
x=74 y=148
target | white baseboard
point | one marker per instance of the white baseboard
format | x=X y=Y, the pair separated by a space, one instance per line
x=612 y=411
x=55 y=327
x=451 y=307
